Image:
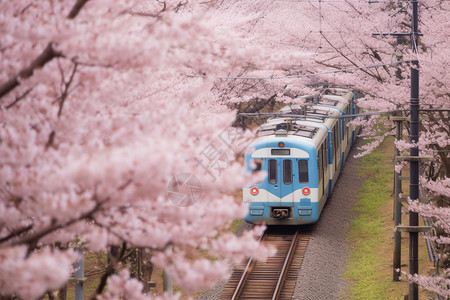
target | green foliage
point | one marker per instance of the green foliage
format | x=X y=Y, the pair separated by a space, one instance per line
x=366 y=235
x=235 y=225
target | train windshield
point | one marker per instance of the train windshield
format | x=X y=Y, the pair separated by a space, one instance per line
x=272 y=171
x=303 y=170
x=287 y=171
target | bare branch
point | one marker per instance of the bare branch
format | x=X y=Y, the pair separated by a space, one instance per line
x=348 y=59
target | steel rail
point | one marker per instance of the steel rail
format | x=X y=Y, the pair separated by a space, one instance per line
x=248 y=268
x=286 y=265
x=274 y=278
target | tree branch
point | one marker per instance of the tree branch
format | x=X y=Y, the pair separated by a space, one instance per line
x=76 y=9
x=101 y=286
x=350 y=60
x=16 y=233
x=47 y=55
x=114 y=256
x=66 y=89
x=34 y=238
x=18 y=99
x=51 y=139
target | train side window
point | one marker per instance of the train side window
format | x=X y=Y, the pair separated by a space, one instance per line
x=303 y=170
x=287 y=171
x=332 y=141
x=337 y=138
x=320 y=161
x=338 y=131
x=344 y=132
x=272 y=171
x=349 y=132
x=324 y=166
x=256 y=165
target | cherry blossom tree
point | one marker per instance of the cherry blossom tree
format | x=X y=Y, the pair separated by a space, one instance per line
x=103 y=103
x=97 y=116
x=353 y=43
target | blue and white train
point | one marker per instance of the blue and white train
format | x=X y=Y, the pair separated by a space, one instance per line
x=302 y=150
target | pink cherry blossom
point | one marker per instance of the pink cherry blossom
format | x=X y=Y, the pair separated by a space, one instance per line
x=99 y=111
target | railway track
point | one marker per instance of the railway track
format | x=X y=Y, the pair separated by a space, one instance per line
x=275 y=278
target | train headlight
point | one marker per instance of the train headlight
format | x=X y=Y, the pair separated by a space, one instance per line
x=254 y=191
x=281 y=144
x=306 y=191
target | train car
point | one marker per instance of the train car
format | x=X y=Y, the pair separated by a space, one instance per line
x=302 y=149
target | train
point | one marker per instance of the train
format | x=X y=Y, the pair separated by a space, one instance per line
x=302 y=149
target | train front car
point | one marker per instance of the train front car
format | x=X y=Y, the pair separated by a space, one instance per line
x=290 y=193
x=302 y=156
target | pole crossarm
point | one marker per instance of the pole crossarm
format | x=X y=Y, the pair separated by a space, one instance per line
x=404 y=228
x=414 y=158
x=395 y=34
x=76 y=279
x=399 y=119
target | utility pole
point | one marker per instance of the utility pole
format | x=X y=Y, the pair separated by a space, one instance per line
x=414 y=152
x=167 y=278
x=79 y=278
x=413 y=159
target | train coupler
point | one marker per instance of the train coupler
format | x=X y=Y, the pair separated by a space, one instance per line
x=280 y=213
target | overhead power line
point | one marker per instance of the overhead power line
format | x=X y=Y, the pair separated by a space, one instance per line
x=301 y=75
x=284 y=115
x=316 y=116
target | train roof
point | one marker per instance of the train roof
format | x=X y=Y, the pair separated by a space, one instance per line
x=298 y=132
x=311 y=121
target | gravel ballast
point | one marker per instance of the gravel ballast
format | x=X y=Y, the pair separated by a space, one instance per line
x=321 y=274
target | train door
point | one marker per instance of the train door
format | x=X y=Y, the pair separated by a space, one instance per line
x=287 y=188
x=320 y=170
x=281 y=178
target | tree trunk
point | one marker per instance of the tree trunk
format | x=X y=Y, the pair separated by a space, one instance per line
x=62 y=293
x=146 y=269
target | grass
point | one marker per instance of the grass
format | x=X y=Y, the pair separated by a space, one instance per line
x=366 y=233
x=235 y=225
x=369 y=268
